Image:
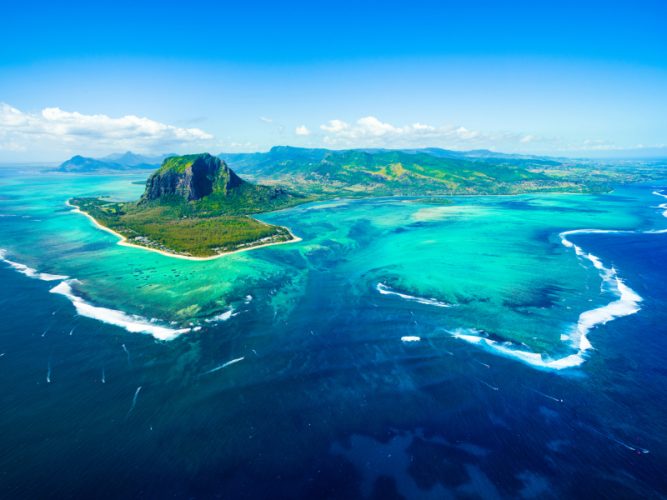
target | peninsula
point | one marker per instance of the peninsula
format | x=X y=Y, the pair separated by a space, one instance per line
x=195 y=207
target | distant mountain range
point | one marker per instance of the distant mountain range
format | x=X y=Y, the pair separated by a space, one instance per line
x=112 y=163
x=411 y=172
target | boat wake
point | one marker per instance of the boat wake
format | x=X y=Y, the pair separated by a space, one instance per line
x=224 y=365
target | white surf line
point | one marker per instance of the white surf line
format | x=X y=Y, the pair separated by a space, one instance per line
x=385 y=290
x=48 y=371
x=410 y=338
x=125 y=243
x=29 y=271
x=223 y=316
x=627 y=303
x=225 y=365
x=134 y=401
x=662 y=206
x=130 y=322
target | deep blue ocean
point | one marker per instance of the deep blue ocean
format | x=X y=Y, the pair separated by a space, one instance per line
x=89 y=410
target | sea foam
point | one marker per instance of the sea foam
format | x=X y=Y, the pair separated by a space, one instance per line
x=662 y=206
x=29 y=271
x=131 y=322
x=222 y=316
x=626 y=303
x=385 y=290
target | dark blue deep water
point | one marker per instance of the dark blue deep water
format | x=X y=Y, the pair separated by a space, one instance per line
x=328 y=417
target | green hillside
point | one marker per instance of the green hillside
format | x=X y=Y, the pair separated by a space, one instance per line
x=195 y=205
x=410 y=173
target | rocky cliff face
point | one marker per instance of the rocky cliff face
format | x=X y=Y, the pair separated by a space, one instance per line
x=191 y=177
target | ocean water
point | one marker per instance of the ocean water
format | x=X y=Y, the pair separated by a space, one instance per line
x=490 y=347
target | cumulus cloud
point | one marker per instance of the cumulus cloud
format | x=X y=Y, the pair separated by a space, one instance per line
x=371 y=131
x=302 y=130
x=58 y=129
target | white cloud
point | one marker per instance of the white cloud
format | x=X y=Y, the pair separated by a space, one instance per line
x=335 y=126
x=370 y=131
x=302 y=130
x=56 y=129
x=266 y=119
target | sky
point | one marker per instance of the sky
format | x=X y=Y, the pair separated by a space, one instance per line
x=585 y=78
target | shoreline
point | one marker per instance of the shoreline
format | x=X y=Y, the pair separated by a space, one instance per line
x=125 y=243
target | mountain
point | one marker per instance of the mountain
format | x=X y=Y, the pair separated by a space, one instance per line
x=116 y=162
x=279 y=158
x=195 y=206
x=418 y=172
x=191 y=177
x=130 y=159
x=203 y=184
x=82 y=164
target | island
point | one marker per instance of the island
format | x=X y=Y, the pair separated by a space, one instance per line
x=356 y=173
x=194 y=207
x=114 y=163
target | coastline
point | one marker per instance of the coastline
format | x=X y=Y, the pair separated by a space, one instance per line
x=125 y=243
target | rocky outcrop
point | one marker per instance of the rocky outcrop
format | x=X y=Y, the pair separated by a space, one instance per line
x=191 y=177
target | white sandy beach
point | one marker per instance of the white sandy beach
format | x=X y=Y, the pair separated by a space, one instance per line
x=123 y=240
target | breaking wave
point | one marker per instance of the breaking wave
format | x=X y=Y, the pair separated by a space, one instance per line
x=627 y=303
x=131 y=322
x=29 y=271
x=385 y=290
x=662 y=206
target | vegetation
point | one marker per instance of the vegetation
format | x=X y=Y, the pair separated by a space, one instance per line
x=162 y=227
x=196 y=206
x=409 y=173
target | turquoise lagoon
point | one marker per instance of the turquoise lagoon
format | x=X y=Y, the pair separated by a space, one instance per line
x=473 y=347
x=496 y=271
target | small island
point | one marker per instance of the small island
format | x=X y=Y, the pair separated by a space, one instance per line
x=194 y=207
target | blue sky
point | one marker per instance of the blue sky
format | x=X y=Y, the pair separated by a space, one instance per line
x=574 y=78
